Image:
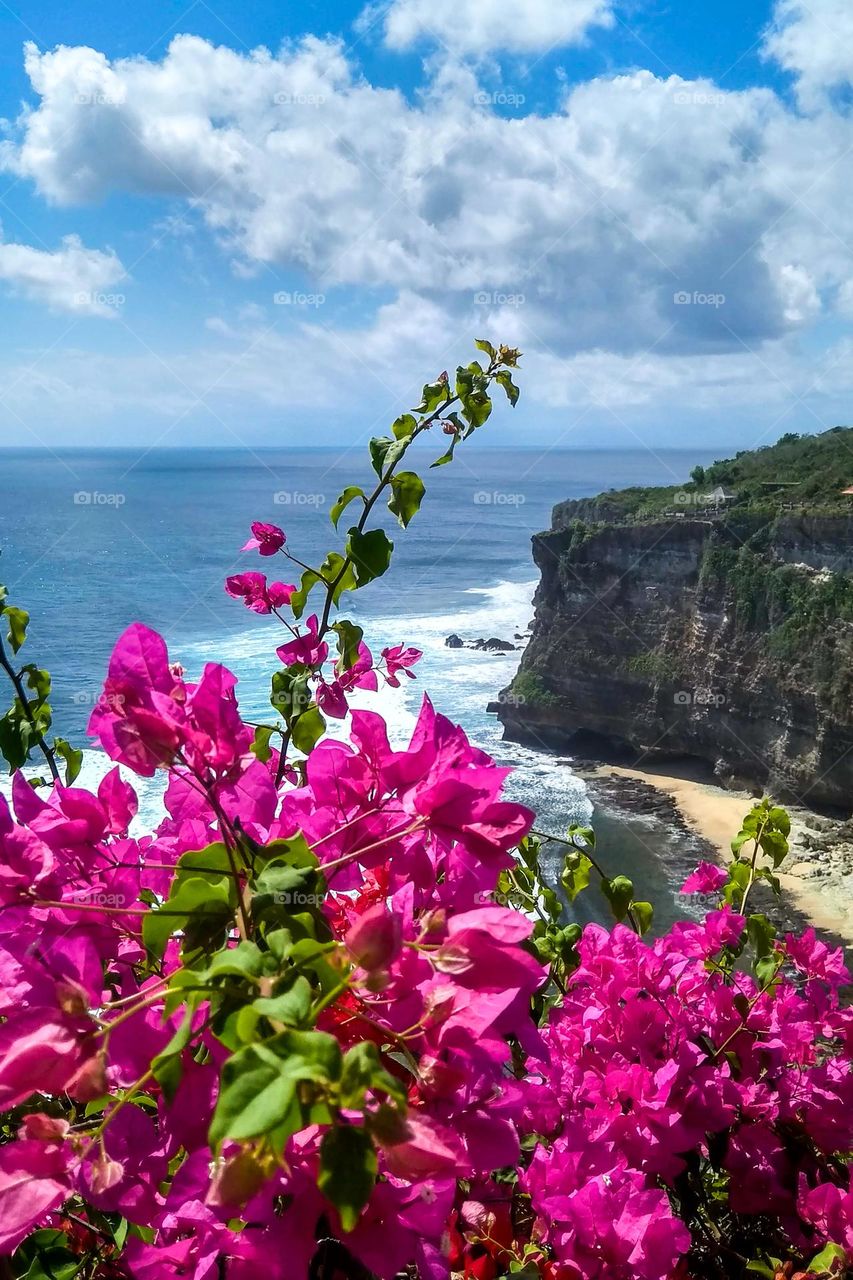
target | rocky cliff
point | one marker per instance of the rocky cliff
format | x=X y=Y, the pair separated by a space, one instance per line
x=728 y=638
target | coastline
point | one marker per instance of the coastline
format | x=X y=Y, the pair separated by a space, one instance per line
x=817 y=876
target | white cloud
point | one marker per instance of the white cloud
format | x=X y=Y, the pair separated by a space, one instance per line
x=814 y=41
x=71 y=279
x=652 y=239
x=480 y=27
x=639 y=188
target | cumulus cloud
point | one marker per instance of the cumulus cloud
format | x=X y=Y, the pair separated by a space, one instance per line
x=649 y=237
x=480 y=27
x=637 y=190
x=814 y=42
x=71 y=279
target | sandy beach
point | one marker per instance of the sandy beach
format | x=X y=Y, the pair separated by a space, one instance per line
x=716 y=814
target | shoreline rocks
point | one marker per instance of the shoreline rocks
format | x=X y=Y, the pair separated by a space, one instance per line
x=482 y=645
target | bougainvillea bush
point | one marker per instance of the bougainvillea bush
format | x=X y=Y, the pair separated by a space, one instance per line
x=328 y=1019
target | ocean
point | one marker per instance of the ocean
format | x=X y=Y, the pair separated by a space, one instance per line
x=94 y=539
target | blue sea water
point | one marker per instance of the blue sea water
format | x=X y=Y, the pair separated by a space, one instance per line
x=93 y=540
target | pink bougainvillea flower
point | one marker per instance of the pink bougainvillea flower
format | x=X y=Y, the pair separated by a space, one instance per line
x=33 y=1181
x=815 y=959
x=253 y=590
x=266 y=539
x=279 y=593
x=707 y=878
x=139 y=716
x=332 y=694
x=399 y=660
x=307 y=648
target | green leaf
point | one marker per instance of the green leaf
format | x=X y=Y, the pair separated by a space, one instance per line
x=831 y=1261
x=643 y=913
x=482 y=345
x=299 y=599
x=384 y=452
x=404 y=426
x=196 y=904
x=18 y=620
x=72 y=756
x=348 y=1168
x=350 y=637
x=363 y=1071
x=167 y=1064
x=407 y=491
x=308 y=729
x=505 y=380
x=246 y=960
x=285 y=880
x=619 y=892
x=349 y=495
x=735 y=886
x=291 y=694
x=258 y=1092
x=260 y=747
x=582 y=837
x=295 y=851
x=761 y=934
x=16 y=735
x=336 y=569
x=575 y=874
x=446 y=457
x=255 y=1096
x=38 y=681
x=775 y=845
x=476 y=408
x=780 y=819
x=434 y=395
x=370 y=554
x=291 y=1007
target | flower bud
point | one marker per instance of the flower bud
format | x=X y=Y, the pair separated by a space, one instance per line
x=43 y=1128
x=104 y=1173
x=375 y=939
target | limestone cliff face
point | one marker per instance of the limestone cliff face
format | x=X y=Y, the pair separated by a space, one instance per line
x=727 y=640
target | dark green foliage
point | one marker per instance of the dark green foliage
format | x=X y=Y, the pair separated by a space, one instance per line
x=808 y=472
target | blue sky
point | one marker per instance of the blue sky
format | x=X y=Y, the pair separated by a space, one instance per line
x=232 y=224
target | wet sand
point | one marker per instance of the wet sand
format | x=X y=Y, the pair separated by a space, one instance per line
x=716 y=814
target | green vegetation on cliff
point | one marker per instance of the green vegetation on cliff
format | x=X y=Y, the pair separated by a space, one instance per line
x=806 y=473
